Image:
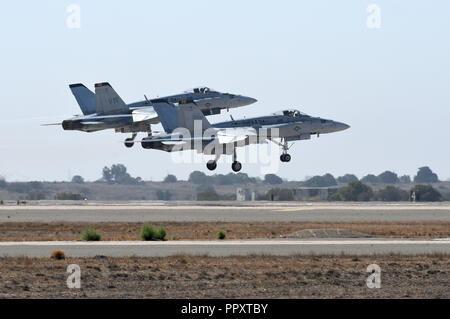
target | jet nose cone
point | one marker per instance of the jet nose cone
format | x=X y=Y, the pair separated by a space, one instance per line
x=245 y=100
x=252 y=100
x=342 y=126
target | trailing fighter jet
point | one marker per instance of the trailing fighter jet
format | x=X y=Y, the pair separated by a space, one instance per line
x=106 y=110
x=186 y=128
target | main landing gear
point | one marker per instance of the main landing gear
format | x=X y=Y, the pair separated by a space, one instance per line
x=211 y=165
x=285 y=157
x=129 y=142
x=236 y=166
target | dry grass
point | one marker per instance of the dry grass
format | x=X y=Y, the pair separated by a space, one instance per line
x=58 y=255
x=232 y=277
x=20 y=231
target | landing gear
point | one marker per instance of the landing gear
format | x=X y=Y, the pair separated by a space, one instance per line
x=285 y=157
x=129 y=142
x=211 y=165
x=236 y=166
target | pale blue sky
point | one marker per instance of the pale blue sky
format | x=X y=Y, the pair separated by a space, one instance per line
x=392 y=85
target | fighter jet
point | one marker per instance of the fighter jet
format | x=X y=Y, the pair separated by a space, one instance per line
x=106 y=110
x=186 y=128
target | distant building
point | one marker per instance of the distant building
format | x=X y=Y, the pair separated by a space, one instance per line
x=240 y=194
x=243 y=194
x=314 y=193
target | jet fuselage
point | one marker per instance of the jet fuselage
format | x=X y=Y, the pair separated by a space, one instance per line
x=136 y=120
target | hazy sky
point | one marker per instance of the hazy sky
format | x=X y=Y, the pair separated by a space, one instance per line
x=392 y=84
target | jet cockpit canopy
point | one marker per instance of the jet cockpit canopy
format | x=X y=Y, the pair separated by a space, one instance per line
x=291 y=113
x=201 y=90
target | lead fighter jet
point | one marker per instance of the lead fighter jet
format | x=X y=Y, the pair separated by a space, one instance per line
x=186 y=128
x=106 y=110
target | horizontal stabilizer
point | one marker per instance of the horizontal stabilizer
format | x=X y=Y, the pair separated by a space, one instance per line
x=108 y=101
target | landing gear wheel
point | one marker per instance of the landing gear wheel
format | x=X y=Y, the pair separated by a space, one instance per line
x=236 y=166
x=285 y=158
x=129 y=142
x=211 y=165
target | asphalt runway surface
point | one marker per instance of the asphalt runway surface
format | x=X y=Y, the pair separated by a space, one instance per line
x=228 y=212
x=227 y=248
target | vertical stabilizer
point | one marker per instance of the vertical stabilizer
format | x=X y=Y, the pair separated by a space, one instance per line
x=85 y=98
x=108 y=101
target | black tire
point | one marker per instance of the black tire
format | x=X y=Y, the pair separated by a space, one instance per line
x=129 y=142
x=236 y=166
x=211 y=165
x=282 y=157
x=287 y=157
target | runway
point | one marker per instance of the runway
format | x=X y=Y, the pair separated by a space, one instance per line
x=276 y=247
x=228 y=212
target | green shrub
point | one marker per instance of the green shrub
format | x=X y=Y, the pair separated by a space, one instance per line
x=221 y=235
x=90 y=234
x=1 y=202
x=150 y=233
x=147 y=232
x=160 y=233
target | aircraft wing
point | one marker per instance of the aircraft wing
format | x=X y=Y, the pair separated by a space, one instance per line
x=174 y=138
x=144 y=114
x=233 y=135
x=225 y=136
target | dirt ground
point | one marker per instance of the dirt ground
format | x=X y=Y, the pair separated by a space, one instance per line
x=27 y=231
x=231 y=277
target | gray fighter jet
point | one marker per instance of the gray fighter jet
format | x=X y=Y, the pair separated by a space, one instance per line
x=106 y=110
x=186 y=128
